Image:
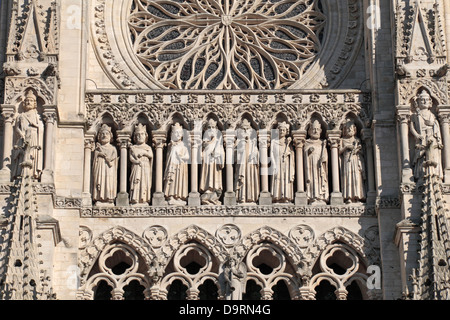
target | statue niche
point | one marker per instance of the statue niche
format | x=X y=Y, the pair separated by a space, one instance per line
x=282 y=157
x=176 y=175
x=353 y=173
x=246 y=182
x=105 y=164
x=316 y=166
x=141 y=158
x=29 y=131
x=213 y=162
x=424 y=126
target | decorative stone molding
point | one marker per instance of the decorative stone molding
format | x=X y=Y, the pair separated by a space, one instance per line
x=159 y=108
x=232 y=211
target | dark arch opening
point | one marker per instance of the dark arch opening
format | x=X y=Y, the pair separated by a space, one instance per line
x=325 y=291
x=103 y=291
x=281 y=291
x=252 y=291
x=177 y=291
x=134 y=291
x=208 y=290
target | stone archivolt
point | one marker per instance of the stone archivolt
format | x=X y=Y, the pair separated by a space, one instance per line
x=229 y=270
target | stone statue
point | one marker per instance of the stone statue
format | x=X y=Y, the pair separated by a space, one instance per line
x=353 y=172
x=425 y=128
x=283 y=165
x=213 y=161
x=29 y=129
x=316 y=166
x=105 y=168
x=246 y=182
x=141 y=158
x=176 y=175
x=235 y=274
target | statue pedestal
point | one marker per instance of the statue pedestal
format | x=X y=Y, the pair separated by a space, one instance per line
x=194 y=199
x=229 y=199
x=265 y=199
x=159 y=199
x=336 y=199
x=122 y=199
x=301 y=199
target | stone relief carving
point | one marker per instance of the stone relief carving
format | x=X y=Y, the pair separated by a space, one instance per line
x=353 y=171
x=155 y=235
x=316 y=165
x=104 y=168
x=282 y=157
x=29 y=132
x=213 y=162
x=302 y=235
x=141 y=158
x=229 y=234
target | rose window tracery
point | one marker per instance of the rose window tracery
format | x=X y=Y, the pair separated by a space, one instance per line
x=225 y=44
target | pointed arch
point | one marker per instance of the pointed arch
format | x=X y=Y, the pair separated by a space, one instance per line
x=192 y=233
x=338 y=234
x=266 y=233
x=91 y=252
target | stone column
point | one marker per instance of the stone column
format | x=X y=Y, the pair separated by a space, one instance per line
x=159 y=142
x=89 y=145
x=229 y=137
x=341 y=294
x=371 y=191
x=8 y=133
x=265 y=197
x=194 y=195
x=444 y=117
x=50 y=121
x=403 y=118
x=334 y=137
x=123 y=140
x=299 y=141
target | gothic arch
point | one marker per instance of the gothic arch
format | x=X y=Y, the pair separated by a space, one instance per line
x=338 y=234
x=192 y=233
x=91 y=252
x=268 y=234
x=18 y=90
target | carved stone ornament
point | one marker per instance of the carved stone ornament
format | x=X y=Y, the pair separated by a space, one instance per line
x=229 y=234
x=155 y=235
x=161 y=42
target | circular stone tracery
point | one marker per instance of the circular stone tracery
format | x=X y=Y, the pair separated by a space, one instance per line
x=226 y=44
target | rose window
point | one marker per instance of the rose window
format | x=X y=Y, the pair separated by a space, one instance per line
x=226 y=44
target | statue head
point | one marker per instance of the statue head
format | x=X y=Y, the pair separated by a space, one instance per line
x=105 y=135
x=30 y=101
x=315 y=130
x=245 y=124
x=177 y=132
x=212 y=124
x=283 y=128
x=350 y=128
x=140 y=134
x=424 y=100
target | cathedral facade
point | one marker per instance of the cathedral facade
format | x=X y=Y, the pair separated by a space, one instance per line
x=224 y=149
